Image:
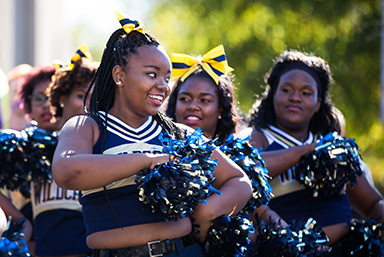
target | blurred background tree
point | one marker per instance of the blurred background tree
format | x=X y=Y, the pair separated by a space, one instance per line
x=346 y=33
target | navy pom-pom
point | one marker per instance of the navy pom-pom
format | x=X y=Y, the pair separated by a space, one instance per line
x=174 y=188
x=228 y=237
x=26 y=156
x=12 y=243
x=335 y=162
x=249 y=159
x=299 y=239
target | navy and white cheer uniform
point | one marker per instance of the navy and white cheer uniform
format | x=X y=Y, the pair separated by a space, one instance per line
x=117 y=205
x=58 y=221
x=291 y=201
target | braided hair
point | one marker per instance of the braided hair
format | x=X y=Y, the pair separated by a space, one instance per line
x=225 y=89
x=119 y=48
x=325 y=120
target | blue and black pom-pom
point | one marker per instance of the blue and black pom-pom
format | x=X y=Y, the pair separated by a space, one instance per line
x=228 y=236
x=298 y=239
x=26 y=156
x=12 y=243
x=249 y=159
x=365 y=238
x=174 y=188
x=335 y=162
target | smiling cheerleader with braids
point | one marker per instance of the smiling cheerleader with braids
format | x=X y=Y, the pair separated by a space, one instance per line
x=316 y=173
x=101 y=154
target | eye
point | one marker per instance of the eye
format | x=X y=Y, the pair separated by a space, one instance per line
x=206 y=100
x=80 y=96
x=152 y=74
x=286 y=90
x=307 y=93
x=183 y=99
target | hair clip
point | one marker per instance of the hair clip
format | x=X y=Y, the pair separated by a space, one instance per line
x=213 y=62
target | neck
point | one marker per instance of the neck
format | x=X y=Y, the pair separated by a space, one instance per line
x=299 y=134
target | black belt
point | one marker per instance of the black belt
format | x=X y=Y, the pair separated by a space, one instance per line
x=151 y=249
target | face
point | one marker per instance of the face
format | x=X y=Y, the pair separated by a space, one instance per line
x=73 y=103
x=144 y=84
x=40 y=107
x=295 y=100
x=197 y=105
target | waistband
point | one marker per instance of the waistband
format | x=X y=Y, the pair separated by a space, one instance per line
x=150 y=249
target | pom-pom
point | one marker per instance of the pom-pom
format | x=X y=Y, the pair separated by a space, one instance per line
x=297 y=240
x=335 y=162
x=365 y=238
x=174 y=188
x=249 y=159
x=228 y=237
x=26 y=156
x=12 y=243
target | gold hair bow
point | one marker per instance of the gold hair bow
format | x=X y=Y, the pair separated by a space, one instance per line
x=82 y=52
x=214 y=63
x=129 y=25
x=57 y=64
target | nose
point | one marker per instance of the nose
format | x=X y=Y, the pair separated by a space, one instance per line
x=193 y=106
x=163 y=86
x=295 y=96
x=46 y=103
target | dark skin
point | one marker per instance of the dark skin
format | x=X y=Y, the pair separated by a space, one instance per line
x=143 y=80
x=296 y=106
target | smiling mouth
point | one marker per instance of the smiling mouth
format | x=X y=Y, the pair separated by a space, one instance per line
x=192 y=118
x=157 y=98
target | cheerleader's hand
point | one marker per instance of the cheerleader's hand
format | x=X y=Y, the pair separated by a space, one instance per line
x=156 y=159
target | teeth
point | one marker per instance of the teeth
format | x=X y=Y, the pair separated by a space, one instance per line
x=192 y=118
x=159 y=98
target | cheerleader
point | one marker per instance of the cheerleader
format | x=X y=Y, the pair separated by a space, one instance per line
x=101 y=153
x=294 y=111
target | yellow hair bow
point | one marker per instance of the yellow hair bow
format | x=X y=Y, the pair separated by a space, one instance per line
x=57 y=64
x=129 y=25
x=82 y=52
x=214 y=63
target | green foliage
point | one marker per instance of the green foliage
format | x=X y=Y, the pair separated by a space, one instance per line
x=345 y=33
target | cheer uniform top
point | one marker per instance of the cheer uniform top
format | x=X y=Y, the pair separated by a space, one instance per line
x=117 y=205
x=58 y=221
x=291 y=201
